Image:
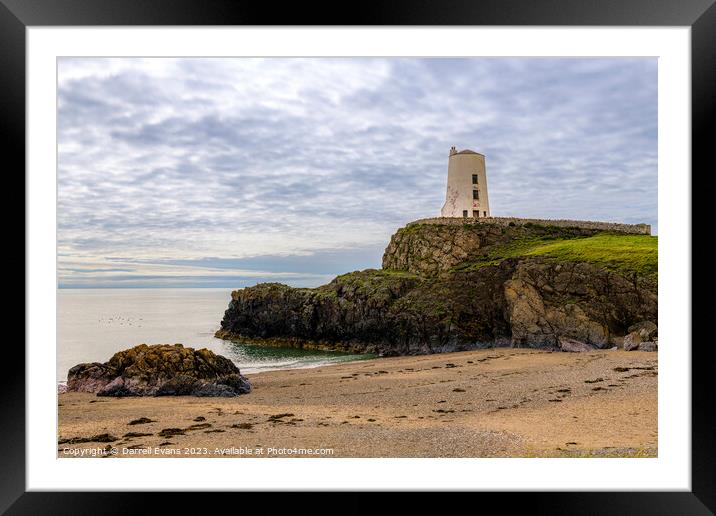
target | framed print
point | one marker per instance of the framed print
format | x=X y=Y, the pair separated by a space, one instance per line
x=435 y=250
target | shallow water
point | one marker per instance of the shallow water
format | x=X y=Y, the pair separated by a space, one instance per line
x=93 y=324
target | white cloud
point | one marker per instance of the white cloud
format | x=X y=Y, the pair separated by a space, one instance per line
x=184 y=159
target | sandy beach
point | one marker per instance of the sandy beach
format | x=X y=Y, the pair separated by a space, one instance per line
x=484 y=403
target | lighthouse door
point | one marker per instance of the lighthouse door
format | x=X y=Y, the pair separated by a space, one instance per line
x=476 y=213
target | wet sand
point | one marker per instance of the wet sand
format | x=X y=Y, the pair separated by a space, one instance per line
x=484 y=403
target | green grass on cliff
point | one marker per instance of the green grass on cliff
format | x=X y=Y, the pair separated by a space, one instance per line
x=638 y=253
x=368 y=282
x=374 y=275
x=620 y=252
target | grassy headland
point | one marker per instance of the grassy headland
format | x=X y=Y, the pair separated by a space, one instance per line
x=614 y=251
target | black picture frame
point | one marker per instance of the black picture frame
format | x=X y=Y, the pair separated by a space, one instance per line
x=700 y=15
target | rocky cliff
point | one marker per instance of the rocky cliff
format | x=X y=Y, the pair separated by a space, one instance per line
x=446 y=287
x=159 y=370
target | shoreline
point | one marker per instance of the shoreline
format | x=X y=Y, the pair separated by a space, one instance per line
x=500 y=402
x=362 y=357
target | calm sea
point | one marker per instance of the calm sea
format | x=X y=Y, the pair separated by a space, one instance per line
x=93 y=324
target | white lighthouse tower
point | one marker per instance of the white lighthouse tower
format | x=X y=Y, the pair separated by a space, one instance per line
x=466 y=186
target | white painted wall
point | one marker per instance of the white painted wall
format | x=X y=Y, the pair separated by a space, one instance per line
x=459 y=197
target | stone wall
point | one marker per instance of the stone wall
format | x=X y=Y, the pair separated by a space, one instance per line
x=636 y=229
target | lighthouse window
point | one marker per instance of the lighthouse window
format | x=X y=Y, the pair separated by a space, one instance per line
x=464 y=213
x=475 y=194
x=474 y=179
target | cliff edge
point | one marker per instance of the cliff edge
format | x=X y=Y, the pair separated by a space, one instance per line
x=450 y=285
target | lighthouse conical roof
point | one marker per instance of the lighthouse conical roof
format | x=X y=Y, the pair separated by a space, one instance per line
x=468 y=151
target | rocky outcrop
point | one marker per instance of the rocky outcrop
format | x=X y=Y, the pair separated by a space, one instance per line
x=547 y=300
x=648 y=346
x=453 y=287
x=647 y=330
x=573 y=346
x=430 y=249
x=160 y=370
x=354 y=312
x=641 y=336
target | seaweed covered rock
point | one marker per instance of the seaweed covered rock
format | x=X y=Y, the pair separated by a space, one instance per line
x=351 y=313
x=376 y=311
x=89 y=377
x=160 y=370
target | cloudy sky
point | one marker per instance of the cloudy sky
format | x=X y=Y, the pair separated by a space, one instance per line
x=227 y=172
